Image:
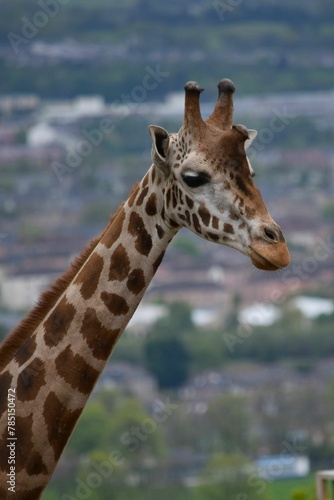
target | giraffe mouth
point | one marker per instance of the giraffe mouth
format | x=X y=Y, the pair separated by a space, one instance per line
x=262 y=263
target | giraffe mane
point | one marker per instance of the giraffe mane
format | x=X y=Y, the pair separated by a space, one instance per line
x=47 y=300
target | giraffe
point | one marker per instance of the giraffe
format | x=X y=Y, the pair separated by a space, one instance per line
x=200 y=178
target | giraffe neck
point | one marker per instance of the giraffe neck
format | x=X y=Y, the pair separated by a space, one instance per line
x=55 y=369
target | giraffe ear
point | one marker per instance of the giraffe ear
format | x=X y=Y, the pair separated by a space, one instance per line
x=251 y=136
x=160 y=143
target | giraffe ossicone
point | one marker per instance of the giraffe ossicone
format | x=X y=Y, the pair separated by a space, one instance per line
x=201 y=179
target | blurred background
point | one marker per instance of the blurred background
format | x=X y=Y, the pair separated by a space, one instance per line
x=222 y=386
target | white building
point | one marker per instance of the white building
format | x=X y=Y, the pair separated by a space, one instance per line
x=20 y=292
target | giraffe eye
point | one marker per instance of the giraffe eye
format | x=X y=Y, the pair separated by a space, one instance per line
x=195 y=180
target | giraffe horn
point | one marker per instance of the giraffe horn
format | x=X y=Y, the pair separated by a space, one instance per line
x=222 y=115
x=192 y=114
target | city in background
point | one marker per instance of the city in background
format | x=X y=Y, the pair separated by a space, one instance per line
x=223 y=382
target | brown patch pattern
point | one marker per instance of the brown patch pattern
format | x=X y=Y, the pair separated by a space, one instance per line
x=153 y=173
x=189 y=202
x=242 y=185
x=75 y=371
x=212 y=236
x=175 y=193
x=90 y=275
x=30 y=380
x=115 y=228
x=26 y=351
x=5 y=383
x=26 y=459
x=23 y=431
x=228 y=228
x=58 y=322
x=196 y=223
x=99 y=339
x=233 y=216
x=227 y=239
x=59 y=421
x=215 y=222
x=158 y=261
x=142 y=196
x=116 y=304
x=160 y=231
x=143 y=240
x=35 y=465
x=119 y=264
x=136 y=281
x=145 y=180
x=204 y=214
x=151 y=205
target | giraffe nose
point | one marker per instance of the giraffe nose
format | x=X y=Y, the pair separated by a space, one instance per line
x=274 y=235
x=269 y=250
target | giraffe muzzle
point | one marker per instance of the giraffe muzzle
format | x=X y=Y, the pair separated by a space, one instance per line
x=270 y=252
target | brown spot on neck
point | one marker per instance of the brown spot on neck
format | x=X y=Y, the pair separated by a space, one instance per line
x=26 y=351
x=133 y=195
x=5 y=384
x=151 y=205
x=158 y=261
x=30 y=380
x=76 y=371
x=143 y=240
x=36 y=466
x=116 y=304
x=99 y=339
x=58 y=322
x=119 y=264
x=114 y=229
x=26 y=458
x=89 y=276
x=136 y=281
x=59 y=422
x=142 y=196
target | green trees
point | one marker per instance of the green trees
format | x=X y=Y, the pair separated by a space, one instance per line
x=293 y=337
x=167 y=359
x=231 y=476
x=228 y=425
x=92 y=430
x=116 y=442
x=112 y=421
x=175 y=347
x=166 y=355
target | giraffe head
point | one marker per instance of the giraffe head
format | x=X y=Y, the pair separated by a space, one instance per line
x=208 y=181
